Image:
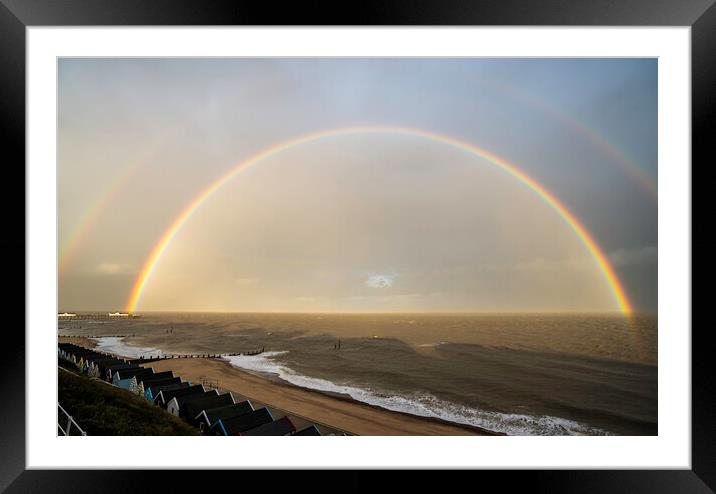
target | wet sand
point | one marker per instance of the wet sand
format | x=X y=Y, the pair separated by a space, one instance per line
x=346 y=414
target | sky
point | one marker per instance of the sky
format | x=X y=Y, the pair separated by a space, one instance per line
x=360 y=221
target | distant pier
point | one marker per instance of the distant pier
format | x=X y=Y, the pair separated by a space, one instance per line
x=96 y=316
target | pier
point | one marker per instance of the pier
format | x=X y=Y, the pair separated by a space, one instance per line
x=96 y=316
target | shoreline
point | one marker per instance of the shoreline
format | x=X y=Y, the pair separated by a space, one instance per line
x=331 y=409
x=262 y=380
x=341 y=412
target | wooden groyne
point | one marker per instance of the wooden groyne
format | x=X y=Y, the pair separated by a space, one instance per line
x=165 y=356
x=99 y=336
x=156 y=358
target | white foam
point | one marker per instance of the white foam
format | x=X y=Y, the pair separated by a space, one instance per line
x=258 y=363
x=117 y=346
x=422 y=404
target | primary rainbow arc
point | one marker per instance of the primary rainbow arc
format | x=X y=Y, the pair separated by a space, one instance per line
x=550 y=199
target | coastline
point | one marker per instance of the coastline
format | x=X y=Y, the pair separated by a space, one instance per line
x=341 y=412
x=273 y=383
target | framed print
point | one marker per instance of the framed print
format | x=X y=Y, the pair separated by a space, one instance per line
x=441 y=238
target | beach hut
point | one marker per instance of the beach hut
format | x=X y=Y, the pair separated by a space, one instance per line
x=311 y=430
x=102 y=361
x=177 y=403
x=97 y=365
x=138 y=372
x=153 y=390
x=157 y=376
x=206 y=418
x=191 y=408
x=129 y=383
x=235 y=425
x=88 y=366
x=110 y=368
x=280 y=427
x=125 y=374
x=154 y=383
x=122 y=383
x=93 y=371
x=92 y=359
x=165 y=396
x=114 y=363
x=97 y=356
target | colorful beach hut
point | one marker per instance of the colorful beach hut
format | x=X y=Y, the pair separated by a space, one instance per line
x=111 y=368
x=124 y=375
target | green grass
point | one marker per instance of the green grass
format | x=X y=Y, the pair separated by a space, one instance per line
x=103 y=410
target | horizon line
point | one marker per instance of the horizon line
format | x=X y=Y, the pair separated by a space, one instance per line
x=369 y=312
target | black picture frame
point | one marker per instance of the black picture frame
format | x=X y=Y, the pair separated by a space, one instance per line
x=16 y=15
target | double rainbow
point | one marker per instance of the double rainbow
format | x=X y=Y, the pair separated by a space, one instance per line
x=574 y=224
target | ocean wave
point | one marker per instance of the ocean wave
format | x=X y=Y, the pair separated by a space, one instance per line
x=258 y=363
x=421 y=404
x=117 y=346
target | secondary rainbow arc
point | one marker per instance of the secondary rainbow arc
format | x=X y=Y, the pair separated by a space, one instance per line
x=588 y=133
x=78 y=235
x=550 y=199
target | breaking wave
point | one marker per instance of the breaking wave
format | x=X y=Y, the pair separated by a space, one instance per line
x=117 y=346
x=420 y=404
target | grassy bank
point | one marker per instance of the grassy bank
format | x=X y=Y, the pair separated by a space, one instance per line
x=103 y=410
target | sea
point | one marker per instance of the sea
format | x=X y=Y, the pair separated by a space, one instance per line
x=516 y=374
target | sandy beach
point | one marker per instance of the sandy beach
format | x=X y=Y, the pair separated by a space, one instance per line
x=345 y=414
